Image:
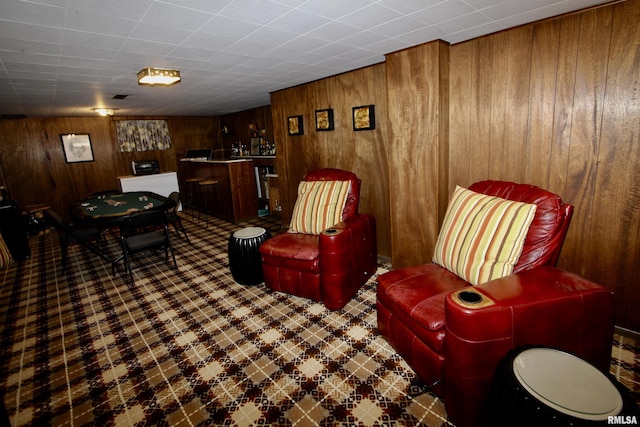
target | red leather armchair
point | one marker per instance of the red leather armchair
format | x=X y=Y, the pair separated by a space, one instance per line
x=455 y=346
x=330 y=267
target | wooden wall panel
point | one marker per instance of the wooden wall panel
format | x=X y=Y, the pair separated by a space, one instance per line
x=363 y=152
x=613 y=254
x=561 y=99
x=238 y=124
x=417 y=149
x=35 y=170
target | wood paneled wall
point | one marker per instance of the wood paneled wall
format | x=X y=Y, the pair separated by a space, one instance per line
x=554 y=103
x=34 y=167
x=362 y=152
x=417 y=90
x=557 y=104
x=238 y=124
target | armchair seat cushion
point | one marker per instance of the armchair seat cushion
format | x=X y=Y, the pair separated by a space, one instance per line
x=299 y=252
x=416 y=295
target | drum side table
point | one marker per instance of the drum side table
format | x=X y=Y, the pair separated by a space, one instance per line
x=245 y=261
x=539 y=386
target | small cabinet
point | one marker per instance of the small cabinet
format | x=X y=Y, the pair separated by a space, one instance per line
x=263 y=167
x=275 y=206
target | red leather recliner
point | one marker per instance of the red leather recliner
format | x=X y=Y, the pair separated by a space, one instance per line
x=456 y=346
x=330 y=267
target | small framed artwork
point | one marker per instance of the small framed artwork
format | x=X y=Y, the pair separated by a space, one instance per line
x=77 y=147
x=324 y=119
x=295 y=125
x=364 y=117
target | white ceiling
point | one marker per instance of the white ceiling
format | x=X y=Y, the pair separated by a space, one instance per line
x=65 y=57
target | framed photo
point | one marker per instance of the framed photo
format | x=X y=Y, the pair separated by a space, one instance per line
x=255 y=146
x=295 y=125
x=77 y=147
x=364 y=117
x=324 y=119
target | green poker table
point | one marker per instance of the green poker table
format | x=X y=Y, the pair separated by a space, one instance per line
x=113 y=208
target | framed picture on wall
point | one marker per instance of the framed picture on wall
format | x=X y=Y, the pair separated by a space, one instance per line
x=77 y=147
x=295 y=125
x=324 y=119
x=364 y=117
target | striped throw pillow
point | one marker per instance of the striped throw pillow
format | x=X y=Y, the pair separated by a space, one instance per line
x=5 y=255
x=482 y=236
x=319 y=206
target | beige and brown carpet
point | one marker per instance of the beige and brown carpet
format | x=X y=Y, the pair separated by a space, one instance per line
x=195 y=348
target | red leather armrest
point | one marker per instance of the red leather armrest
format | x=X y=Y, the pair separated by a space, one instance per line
x=348 y=256
x=543 y=306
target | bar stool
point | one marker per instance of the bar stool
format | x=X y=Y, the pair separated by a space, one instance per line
x=190 y=183
x=209 y=182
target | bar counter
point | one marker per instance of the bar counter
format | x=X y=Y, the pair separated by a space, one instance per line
x=234 y=197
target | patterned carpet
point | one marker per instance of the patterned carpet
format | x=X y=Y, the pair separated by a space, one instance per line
x=196 y=348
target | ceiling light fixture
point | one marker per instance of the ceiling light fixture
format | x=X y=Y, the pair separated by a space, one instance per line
x=157 y=76
x=104 y=111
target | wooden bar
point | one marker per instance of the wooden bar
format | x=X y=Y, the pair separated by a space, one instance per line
x=234 y=197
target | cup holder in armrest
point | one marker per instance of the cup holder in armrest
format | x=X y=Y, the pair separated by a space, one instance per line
x=332 y=231
x=471 y=298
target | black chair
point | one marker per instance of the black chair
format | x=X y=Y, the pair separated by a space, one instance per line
x=173 y=217
x=69 y=234
x=144 y=231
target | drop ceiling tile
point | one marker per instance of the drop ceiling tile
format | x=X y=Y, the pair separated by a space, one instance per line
x=254 y=12
x=32 y=13
x=334 y=9
x=93 y=23
x=29 y=47
x=29 y=32
x=28 y=60
x=147 y=48
x=121 y=9
x=159 y=33
x=333 y=31
x=228 y=27
x=444 y=11
x=298 y=21
x=268 y=45
x=171 y=16
x=408 y=6
x=370 y=16
x=397 y=27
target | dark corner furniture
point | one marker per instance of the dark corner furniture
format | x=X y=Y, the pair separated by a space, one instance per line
x=144 y=231
x=174 y=218
x=69 y=234
x=332 y=265
x=454 y=334
x=13 y=230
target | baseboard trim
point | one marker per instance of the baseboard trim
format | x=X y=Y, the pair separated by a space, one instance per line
x=384 y=259
x=627 y=333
